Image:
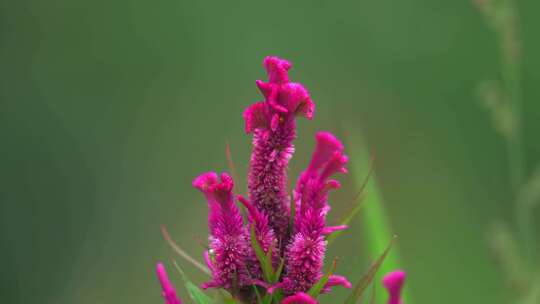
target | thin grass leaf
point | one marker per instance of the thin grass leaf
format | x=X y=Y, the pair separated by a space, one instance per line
x=357 y=203
x=230 y=163
x=369 y=276
x=373 y=297
x=182 y=253
x=257 y=294
x=376 y=227
x=347 y=218
x=279 y=270
x=194 y=292
x=226 y=298
x=291 y=218
x=316 y=289
x=264 y=260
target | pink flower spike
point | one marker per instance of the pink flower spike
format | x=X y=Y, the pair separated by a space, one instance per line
x=394 y=282
x=168 y=292
x=273 y=125
x=228 y=244
x=299 y=298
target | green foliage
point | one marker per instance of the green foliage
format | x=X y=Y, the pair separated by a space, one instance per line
x=375 y=221
x=364 y=282
x=357 y=204
x=265 y=260
x=196 y=294
x=315 y=290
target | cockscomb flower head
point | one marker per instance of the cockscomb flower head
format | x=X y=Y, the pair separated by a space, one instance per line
x=228 y=246
x=270 y=250
x=306 y=251
x=273 y=125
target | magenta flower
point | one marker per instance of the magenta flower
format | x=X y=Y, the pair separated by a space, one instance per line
x=393 y=282
x=239 y=256
x=305 y=253
x=168 y=292
x=299 y=298
x=272 y=123
x=228 y=245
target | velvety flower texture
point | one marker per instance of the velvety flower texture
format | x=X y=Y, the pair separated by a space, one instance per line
x=272 y=123
x=299 y=244
x=231 y=258
x=228 y=244
x=305 y=253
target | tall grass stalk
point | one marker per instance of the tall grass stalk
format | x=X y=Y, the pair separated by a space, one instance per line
x=506 y=109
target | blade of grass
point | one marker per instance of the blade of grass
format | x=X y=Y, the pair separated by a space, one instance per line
x=264 y=260
x=230 y=163
x=347 y=218
x=315 y=290
x=373 y=298
x=194 y=292
x=182 y=253
x=357 y=203
x=376 y=226
x=361 y=285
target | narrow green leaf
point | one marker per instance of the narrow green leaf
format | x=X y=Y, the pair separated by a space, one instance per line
x=291 y=218
x=373 y=298
x=257 y=294
x=279 y=270
x=264 y=260
x=376 y=228
x=346 y=219
x=369 y=276
x=315 y=290
x=194 y=292
x=226 y=298
x=181 y=252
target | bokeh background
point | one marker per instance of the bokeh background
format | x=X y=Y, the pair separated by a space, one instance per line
x=108 y=109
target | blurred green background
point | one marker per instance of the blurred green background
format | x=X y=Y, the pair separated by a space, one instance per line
x=108 y=109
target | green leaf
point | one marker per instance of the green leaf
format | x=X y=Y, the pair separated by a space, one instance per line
x=368 y=277
x=376 y=228
x=226 y=298
x=183 y=253
x=291 y=218
x=264 y=260
x=194 y=292
x=373 y=297
x=346 y=219
x=257 y=294
x=279 y=270
x=315 y=290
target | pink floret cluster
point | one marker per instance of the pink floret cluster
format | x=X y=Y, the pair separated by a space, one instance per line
x=298 y=244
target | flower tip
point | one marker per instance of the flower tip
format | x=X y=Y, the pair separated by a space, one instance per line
x=205 y=181
x=256 y=116
x=299 y=298
x=394 y=279
x=393 y=282
x=329 y=141
x=277 y=69
x=168 y=291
